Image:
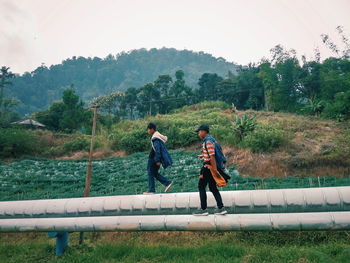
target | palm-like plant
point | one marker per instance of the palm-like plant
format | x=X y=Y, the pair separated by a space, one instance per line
x=244 y=125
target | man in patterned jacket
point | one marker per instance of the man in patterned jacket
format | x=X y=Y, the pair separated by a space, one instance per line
x=208 y=156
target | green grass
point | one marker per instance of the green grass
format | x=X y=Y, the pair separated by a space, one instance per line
x=183 y=247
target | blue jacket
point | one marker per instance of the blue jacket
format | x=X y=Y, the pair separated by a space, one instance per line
x=219 y=156
x=162 y=154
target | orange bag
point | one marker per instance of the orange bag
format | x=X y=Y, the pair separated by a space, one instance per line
x=219 y=180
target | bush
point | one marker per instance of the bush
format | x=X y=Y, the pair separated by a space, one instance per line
x=15 y=142
x=131 y=136
x=338 y=109
x=264 y=139
x=55 y=151
x=243 y=126
x=80 y=143
x=134 y=141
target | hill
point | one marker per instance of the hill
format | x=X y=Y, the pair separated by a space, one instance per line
x=98 y=76
x=282 y=144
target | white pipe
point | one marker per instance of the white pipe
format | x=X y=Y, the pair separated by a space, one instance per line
x=237 y=202
x=229 y=222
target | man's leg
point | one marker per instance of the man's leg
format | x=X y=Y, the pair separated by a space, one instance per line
x=215 y=191
x=151 y=183
x=162 y=179
x=202 y=183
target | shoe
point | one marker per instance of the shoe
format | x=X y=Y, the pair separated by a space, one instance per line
x=148 y=193
x=201 y=212
x=220 y=211
x=168 y=187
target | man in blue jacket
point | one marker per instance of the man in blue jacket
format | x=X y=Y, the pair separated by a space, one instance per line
x=159 y=155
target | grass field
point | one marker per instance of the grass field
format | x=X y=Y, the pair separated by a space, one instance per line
x=174 y=247
x=43 y=178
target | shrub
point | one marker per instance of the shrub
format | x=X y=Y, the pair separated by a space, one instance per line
x=264 y=139
x=55 y=151
x=338 y=109
x=15 y=142
x=243 y=126
x=134 y=141
x=80 y=143
x=314 y=107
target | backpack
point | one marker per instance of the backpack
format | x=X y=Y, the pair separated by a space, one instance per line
x=219 y=155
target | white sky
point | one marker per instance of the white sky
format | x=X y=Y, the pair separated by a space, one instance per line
x=242 y=31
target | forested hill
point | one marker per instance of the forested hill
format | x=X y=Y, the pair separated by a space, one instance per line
x=96 y=76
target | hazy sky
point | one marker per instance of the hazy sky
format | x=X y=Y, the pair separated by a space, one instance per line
x=47 y=31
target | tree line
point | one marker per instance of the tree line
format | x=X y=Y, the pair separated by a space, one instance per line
x=281 y=84
x=94 y=76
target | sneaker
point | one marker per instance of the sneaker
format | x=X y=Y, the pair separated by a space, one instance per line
x=220 y=211
x=148 y=193
x=201 y=212
x=168 y=187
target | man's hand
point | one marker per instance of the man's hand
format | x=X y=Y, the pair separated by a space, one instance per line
x=158 y=163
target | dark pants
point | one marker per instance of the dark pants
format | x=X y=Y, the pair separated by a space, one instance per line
x=153 y=173
x=202 y=184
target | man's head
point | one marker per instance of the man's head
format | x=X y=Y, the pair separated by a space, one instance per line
x=151 y=128
x=203 y=131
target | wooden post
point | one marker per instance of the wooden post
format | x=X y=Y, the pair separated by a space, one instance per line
x=89 y=167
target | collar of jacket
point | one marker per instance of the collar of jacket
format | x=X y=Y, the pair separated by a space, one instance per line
x=208 y=138
x=159 y=136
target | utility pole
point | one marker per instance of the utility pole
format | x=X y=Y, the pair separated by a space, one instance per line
x=89 y=167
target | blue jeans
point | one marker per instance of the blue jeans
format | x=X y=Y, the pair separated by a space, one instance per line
x=153 y=173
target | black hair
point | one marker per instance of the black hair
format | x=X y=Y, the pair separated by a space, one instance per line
x=151 y=125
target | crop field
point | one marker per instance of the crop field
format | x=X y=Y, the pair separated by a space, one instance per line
x=44 y=178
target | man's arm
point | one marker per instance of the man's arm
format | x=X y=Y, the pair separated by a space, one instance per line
x=156 y=145
x=210 y=147
x=213 y=162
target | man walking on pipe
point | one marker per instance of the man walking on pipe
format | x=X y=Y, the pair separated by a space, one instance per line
x=159 y=155
x=212 y=172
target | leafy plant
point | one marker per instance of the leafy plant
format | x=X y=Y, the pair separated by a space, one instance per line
x=77 y=144
x=244 y=125
x=264 y=139
x=16 y=142
x=315 y=107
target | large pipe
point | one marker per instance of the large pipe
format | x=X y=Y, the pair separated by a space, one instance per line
x=231 y=222
x=236 y=202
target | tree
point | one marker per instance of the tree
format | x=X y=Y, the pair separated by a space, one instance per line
x=281 y=79
x=341 y=52
x=67 y=115
x=147 y=100
x=131 y=101
x=51 y=117
x=208 y=86
x=73 y=113
x=162 y=84
x=7 y=105
x=310 y=85
x=339 y=108
x=112 y=104
x=181 y=93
